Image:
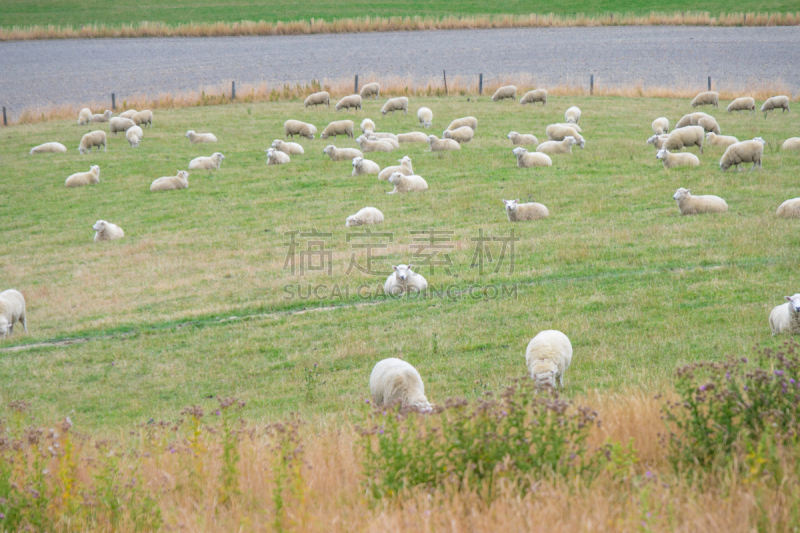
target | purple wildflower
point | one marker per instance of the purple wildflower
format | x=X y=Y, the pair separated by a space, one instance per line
x=648 y=474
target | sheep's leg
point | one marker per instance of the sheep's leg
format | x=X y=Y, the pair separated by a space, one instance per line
x=24 y=323
x=10 y=329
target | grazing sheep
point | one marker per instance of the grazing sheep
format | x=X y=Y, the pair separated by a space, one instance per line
x=412 y=137
x=789 y=209
x=92 y=139
x=195 y=138
x=721 y=140
x=404 y=280
x=105 y=117
x=347 y=102
x=661 y=125
x=367 y=125
x=48 y=148
x=341 y=154
x=395 y=104
x=793 y=143
x=527 y=159
x=339 y=127
x=128 y=114
x=572 y=115
x=709 y=124
x=509 y=91
x=518 y=212
x=685 y=137
x=120 y=124
x=442 y=145
x=106 y=231
x=557 y=132
x=706 y=98
x=745 y=103
x=143 y=117
x=371 y=89
x=671 y=160
x=784 y=318
x=391 y=140
x=536 y=95
x=776 y=102
x=696 y=205
x=557 y=147
x=425 y=117
x=403 y=183
x=690 y=119
x=522 y=139
x=461 y=135
x=548 y=357
x=207 y=163
x=658 y=141
x=377 y=145
x=84 y=178
x=288 y=147
x=171 y=183
x=395 y=381
x=743 y=152
x=403 y=168
x=472 y=122
x=365 y=166
x=366 y=215
x=296 y=127
x=276 y=157
x=84 y=116
x=316 y=99
x=12 y=310
x=134 y=136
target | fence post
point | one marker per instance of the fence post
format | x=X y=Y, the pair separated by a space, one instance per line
x=355 y=91
x=480 y=84
x=709 y=83
x=591 y=84
x=444 y=73
x=233 y=90
x=113 y=102
x=5 y=120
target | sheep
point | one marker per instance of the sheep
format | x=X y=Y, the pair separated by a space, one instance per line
x=721 y=140
x=288 y=147
x=404 y=280
x=745 y=103
x=84 y=116
x=12 y=310
x=395 y=104
x=341 y=154
x=92 y=139
x=557 y=132
x=789 y=209
x=365 y=166
x=347 y=102
x=296 y=127
x=120 y=124
x=793 y=143
x=143 y=117
x=316 y=99
x=442 y=145
x=412 y=137
x=366 y=215
x=105 y=117
x=394 y=381
x=522 y=139
x=377 y=145
x=425 y=117
x=536 y=95
x=171 y=183
x=461 y=135
x=529 y=160
x=84 y=178
x=134 y=136
x=128 y=114
x=706 y=98
x=548 y=357
x=557 y=147
x=685 y=137
x=690 y=119
x=371 y=89
x=276 y=157
x=671 y=160
x=565 y=125
x=661 y=125
x=367 y=125
x=658 y=141
x=207 y=163
x=695 y=205
x=743 y=152
x=709 y=124
x=776 y=102
x=403 y=168
x=372 y=136
x=784 y=318
x=195 y=138
x=403 y=183
x=339 y=127
x=518 y=212
x=509 y=91
x=572 y=115
x=106 y=231
x=472 y=122
x=48 y=148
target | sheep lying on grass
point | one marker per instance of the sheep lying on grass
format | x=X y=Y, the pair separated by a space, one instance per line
x=366 y=215
x=134 y=136
x=296 y=127
x=365 y=166
x=509 y=91
x=696 y=205
x=207 y=163
x=347 y=102
x=319 y=98
x=789 y=209
x=403 y=183
x=658 y=141
x=743 y=152
x=12 y=310
x=706 y=98
x=171 y=183
x=404 y=280
x=105 y=117
x=472 y=122
x=792 y=143
x=721 y=140
x=288 y=147
x=80 y=179
x=776 y=102
x=522 y=139
x=526 y=159
x=531 y=211
x=106 y=231
x=403 y=168
x=685 y=137
x=90 y=140
x=339 y=127
x=536 y=95
x=395 y=381
x=548 y=357
x=341 y=154
x=442 y=145
x=196 y=138
x=461 y=135
x=48 y=148
x=558 y=132
x=425 y=117
x=395 y=104
x=371 y=89
x=557 y=147
x=671 y=160
x=412 y=137
x=745 y=103
x=661 y=125
x=377 y=145
x=390 y=138
x=784 y=318
x=276 y=157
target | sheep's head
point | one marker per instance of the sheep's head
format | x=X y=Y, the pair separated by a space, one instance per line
x=511 y=205
x=661 y=154
x=189 y=133
x=405 y=159
x=759 y=139
x=183 y=174
x=324 y=135
x=276 y=143
x=427 y=124
x=432 y=139
x=328 y=149
x=794 y=303
x=351 y=221
x=519 y=151
x=218 y=156
x=652 y=140
x=360 y=139
x=544 y=374
x=570 y=140
x=395 y=177
x=512 y=134
x=95 y=169
x=680 y=194
x=82 y=150
x=99 y=226
x=403 y=272
x=447 y=135
x=358 y=162
x=582 y=143
x=107 y=114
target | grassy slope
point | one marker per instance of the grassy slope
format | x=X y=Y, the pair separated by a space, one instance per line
x=43 y=12
x=637 y=288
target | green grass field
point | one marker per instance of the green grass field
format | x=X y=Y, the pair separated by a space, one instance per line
x=638 y=288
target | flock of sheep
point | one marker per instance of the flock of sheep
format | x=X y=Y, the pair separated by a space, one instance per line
x=549 y=353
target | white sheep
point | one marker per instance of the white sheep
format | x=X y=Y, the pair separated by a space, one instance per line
x=367 y=125
x=442 y=145
x=120 y=124
x=134 y=136
x=425 y=117
x=690 y=119
x=522 y=139
x=84 y=178
x=658 y=141
x=745 y=103
x=403 y=183
x=377 y=145
x=776 y=102
x=171 y=183
x=548 y=357
x=341 y=154
x=557 y=147
x=84 y=116
x=461 y=135
x=296 y=127
x=90 y=140
x=706 y=98
x=696 y=205
x=288 y=147
x=789 y=209
x=143 y=117
x=536 y=95
x=207 y=163
x=404 y=168
x=106 y=231
x=660 y=125
x=404 y=280
x=347 y=102
x=12 y=310
x=371 y=89
x=671 y=160
x=128 y=114
x=372 y=136
x=105 y=117
x=412 y=137
x=363 y=166
x=684 y=137
x=316 y=99
x=721 y=140
x=558 y=132
x=381 y=135
x=526 y=159
x=276 y=157
x=530 y=211
x=572 y=115
x=565 y=125
x=195 y=138
x=792 y=143
x=784 y=318
x=743 y=152
x=366 y=215
x=338 y=127
x=395 y=104
x=709 y=124
x=48 y=148
x=395 y=381
x=509 y=91
x=472 y=122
